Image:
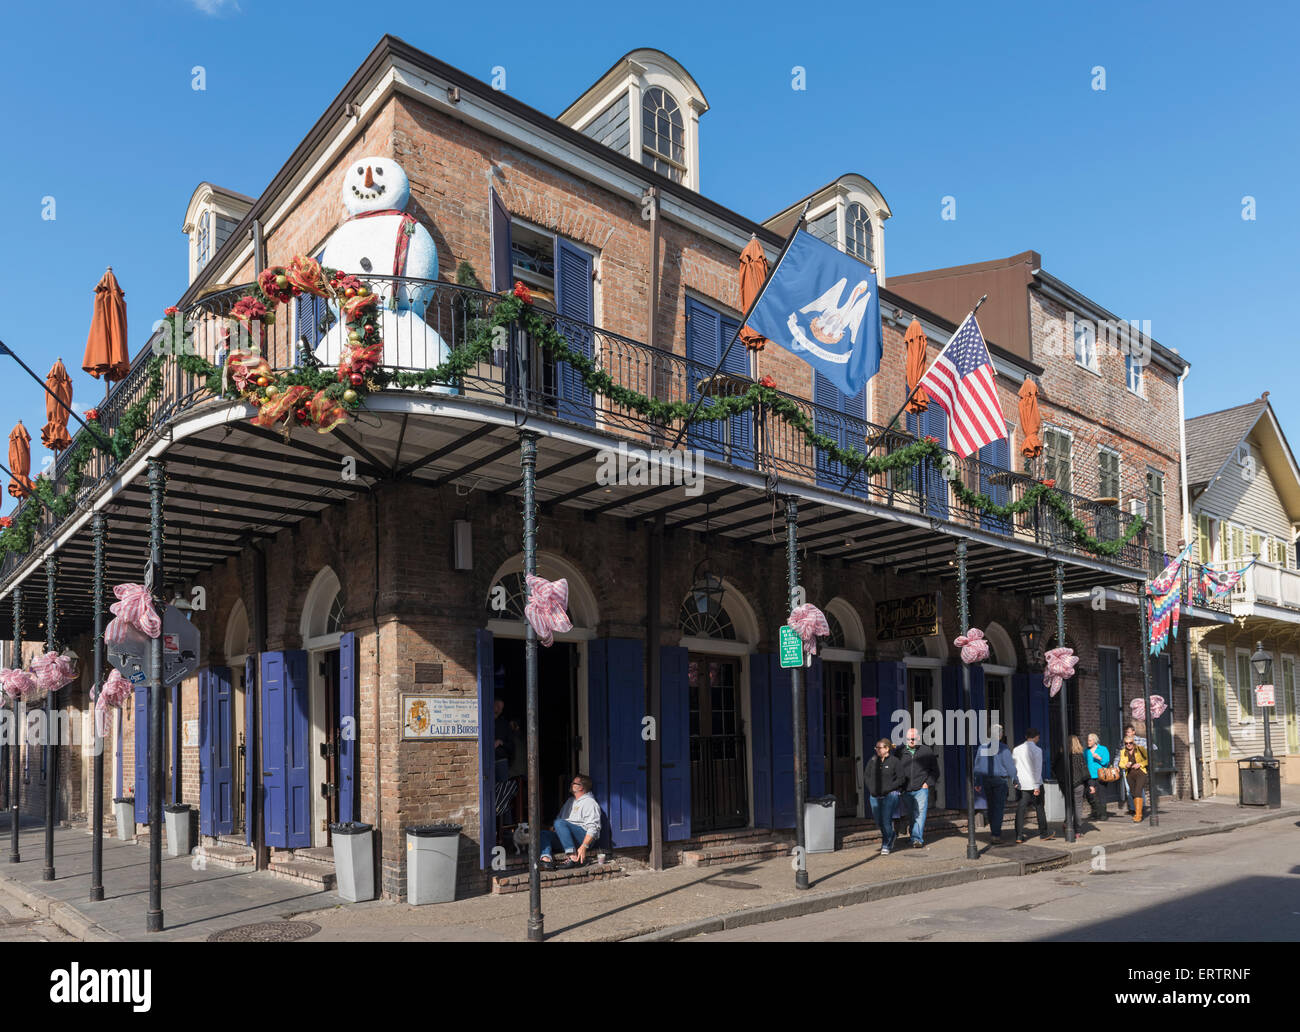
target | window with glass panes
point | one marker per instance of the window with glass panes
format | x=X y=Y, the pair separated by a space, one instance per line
x=1107 y=473
x=663 y=138
x=1056 y=458
x=857 y=233
x=1085 y=344
x=1156 y=509
x=1245 y=688
x=1133 y=371
x=204 y=244
x=825 y=228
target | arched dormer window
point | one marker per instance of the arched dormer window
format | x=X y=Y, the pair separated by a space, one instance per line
x=663 y=135
x=858 y=233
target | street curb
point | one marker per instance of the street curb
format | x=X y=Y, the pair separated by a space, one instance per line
x=65 y=915
x=823 y=901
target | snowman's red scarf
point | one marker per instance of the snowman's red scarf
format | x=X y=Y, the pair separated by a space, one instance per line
x=404 y=234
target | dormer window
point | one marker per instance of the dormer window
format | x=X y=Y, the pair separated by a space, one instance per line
x=210 y=219
x=858 y=233
x=203 y=244
x=663 y=134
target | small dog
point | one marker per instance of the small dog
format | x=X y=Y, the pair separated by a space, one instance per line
x=520 y=837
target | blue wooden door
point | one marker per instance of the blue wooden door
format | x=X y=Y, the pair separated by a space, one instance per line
x=487 y=811
x=286 y=762
x=1020 y=707
x=954 y=747
x=815 y=728
x=349 y=729
x=207 y=755
x=625 y=681
x=675 y=741
x=993 y=457
x=598 y=730
x=927 y=478
x=760 y=735
x=216 y=752
x=575 y=313
x=891 y=698
x=141 y=697
x=782 y=746
x=251 y=744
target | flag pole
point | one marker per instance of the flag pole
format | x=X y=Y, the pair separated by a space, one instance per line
x=744 y=319
x=912 y=392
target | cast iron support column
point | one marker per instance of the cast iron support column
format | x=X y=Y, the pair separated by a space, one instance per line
x=15 y=855
x=51 y=729
x=654 y=700
x=97 y=806
x=528 y=462
x=796 y=694
x=1065 y=776
x=1146 y=698
x=972 y=850
x=154 y=917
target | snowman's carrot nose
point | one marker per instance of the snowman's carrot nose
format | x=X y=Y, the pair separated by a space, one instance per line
x=370 y=179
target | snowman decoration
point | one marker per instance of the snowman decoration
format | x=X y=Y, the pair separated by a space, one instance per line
x=378 y=238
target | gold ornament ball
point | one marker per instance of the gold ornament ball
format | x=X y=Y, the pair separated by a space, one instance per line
x=354 y=336
x=269 y=318
x=350 y=396
x=363 y=291
x=281 y=281
x=272 y=391
x=262 y=381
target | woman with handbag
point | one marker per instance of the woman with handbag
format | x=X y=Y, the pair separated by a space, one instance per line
x=1080 y=782
x=1098 y=757
x=1132 y=761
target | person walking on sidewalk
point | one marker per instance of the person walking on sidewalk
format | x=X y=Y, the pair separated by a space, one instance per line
x=1029 y=780
x=919 y=767
x=576 y=828
x=1083 y=785
x=1098 y=756
x=994 y=773
x=883 y=780
x=1133 y=762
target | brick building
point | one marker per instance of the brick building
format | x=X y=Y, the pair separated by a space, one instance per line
x=369 y=580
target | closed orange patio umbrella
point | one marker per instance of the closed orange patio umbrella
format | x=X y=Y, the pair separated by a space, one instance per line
x=106 y=351
x=54 y=435
x=753 y=274
x=1031 y=423
x=20 y=461
x=916 y=342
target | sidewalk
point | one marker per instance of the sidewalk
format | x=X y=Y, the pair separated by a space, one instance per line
x=669 y=904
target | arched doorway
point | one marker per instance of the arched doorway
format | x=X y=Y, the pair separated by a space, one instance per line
x=841 y=661
x=999 y=669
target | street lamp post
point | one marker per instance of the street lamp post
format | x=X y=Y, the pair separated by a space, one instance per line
x=1263 y=664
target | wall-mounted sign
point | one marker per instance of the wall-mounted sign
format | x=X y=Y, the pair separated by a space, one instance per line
x=189 y=733
x=426 y=717
x=914 y=617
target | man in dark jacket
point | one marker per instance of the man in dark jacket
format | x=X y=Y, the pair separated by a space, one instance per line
x=920 y=769
x=882 y=780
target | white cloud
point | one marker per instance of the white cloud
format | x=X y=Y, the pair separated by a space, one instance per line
x=216 y=6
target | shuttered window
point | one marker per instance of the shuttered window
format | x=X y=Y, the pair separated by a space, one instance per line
x=1245 y=688
x=1107 y=474
x=1290 y=704
x=1203 y=538
x=1156 y=509
x=1056 y=458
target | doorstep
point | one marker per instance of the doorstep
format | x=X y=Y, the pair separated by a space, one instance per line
x=516 y=879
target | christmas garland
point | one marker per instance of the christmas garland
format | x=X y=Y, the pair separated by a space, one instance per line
x=323 y=398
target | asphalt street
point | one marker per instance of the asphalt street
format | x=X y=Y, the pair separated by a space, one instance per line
x=1242 y=886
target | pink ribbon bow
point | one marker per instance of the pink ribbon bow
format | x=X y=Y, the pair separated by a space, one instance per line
x=1060 y=665
x=1138 y=708
x=974 y=649
x=52 y=671
x=547 y=601
x=134 y=609
x=809 y=623
x=17 y=683
x=115 y=691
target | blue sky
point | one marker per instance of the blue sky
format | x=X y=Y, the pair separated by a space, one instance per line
x=1132 y=195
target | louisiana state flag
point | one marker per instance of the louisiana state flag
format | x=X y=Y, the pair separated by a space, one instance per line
x=823 y=306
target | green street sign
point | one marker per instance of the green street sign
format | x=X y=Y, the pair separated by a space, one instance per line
x=791 y=647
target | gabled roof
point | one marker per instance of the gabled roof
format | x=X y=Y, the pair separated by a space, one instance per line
x=1213 y=439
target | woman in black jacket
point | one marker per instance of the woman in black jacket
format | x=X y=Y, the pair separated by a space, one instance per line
x=883 y=779
x=1082 y=784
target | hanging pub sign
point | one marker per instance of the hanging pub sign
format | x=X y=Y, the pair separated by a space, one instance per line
x=914 y=617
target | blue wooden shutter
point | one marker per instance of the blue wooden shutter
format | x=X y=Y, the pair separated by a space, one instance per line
x=891 y=686
x=627 y=767
x=935 y=422
x=274 y=750
x=740 y=428
x=782 y=746
x=298 y=760
x=826 y=420
x=814 y=715
x=675 y=741
x=285 y=749
x=311 y=316
x=952 y=765
x=598 y=730
x=349 y=729
x=253 y=744
x=573 y=301
x=207 y=754
x=141 y=696
x=487 y=810
x=702 y=332
x=222 y=737
x=502 y=260
x=1020 y=707
x=995 y=455
x=760 y=735
x=1040 y=710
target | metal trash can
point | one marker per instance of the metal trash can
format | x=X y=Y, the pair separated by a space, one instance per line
x=819 y=825
x=432 y=853
x=1053 y=803
x=176 y=819
x=124 y=811
x=1259 y=781
x=354 y=860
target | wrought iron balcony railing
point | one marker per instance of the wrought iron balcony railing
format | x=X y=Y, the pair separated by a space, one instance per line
x=519 y=374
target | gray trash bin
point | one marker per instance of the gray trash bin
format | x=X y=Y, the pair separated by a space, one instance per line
x=432 y=853
x=124 y=811
x=176 y=818
x=354 y=860
x=819 y=824
x=1053 y=803
x=1259 y=780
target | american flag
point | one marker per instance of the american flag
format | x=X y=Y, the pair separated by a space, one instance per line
x=962 y=382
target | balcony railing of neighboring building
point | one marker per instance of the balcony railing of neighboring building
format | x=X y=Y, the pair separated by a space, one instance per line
x=519 y=374
x=1270 y=584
